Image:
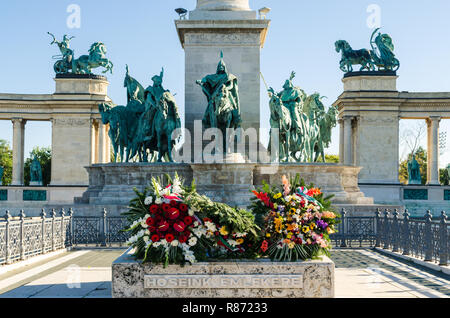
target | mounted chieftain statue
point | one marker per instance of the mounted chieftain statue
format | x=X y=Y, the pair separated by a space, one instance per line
x=280 y=118
x=145 y=126
x=381 y=56
x=221 y=90
x=304 y=126
x=67 y=63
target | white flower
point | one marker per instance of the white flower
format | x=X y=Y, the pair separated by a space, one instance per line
x=158 y=201
x=148 y=200
x=192 y=241
x=144 y=224
x=174 y=243
x=147 y=232
x=146 y=239
x=199 y=231
x=195 y=223
x=211 y=226
x=232 y=242
x=156 y=244
x=191 y=212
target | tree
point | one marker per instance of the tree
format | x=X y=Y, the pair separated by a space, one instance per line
x=444 y=177
x=6 y=161
x=331 y=158
x=44 y=156
x=412 y=137
x=421 y=157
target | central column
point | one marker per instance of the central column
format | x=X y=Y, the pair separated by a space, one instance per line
x=433 y=150
x=18 y=151
x=222 y=5
x=229 y=26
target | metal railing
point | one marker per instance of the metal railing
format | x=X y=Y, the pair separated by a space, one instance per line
x=101 y=230
x=423 y=238
x=22 y=237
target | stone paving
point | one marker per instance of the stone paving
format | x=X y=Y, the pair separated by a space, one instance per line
x=360 y=273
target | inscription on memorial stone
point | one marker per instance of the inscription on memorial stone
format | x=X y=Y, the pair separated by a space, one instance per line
x=224 y=281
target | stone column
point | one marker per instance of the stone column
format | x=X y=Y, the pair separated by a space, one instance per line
x=348 y=139
x=341 y=140
x=433 y=150
x=94 y=141
x=107 y=145
x=18 y=151
x=101 y=142
x=223 y=5
x=232 y=27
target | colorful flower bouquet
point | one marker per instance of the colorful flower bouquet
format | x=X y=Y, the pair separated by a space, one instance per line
x=296 y=221
x=176 y=225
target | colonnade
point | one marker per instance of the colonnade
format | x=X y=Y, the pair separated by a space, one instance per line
x=100 y=146
x=348 y=125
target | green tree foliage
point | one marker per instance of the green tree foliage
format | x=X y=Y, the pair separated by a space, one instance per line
x=444 y=177
x=44 y=156
x=421 y=157
x=332 y=158
x=6 y=161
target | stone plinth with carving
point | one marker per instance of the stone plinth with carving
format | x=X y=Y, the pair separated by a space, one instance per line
x=228 y=183
x=231 y=279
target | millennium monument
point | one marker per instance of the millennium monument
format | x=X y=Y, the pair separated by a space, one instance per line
x=222 y=42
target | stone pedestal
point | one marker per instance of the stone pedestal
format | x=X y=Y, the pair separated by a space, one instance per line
x=228 y=183
x=338 y=180
x=232 y=279
x=81 y=84
x=370 y=81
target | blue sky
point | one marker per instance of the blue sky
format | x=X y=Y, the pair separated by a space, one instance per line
x=141 y=33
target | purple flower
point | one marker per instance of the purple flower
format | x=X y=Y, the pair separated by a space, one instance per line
x=322 y=224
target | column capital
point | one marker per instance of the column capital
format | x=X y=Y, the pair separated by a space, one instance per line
x=18 y=120
x=434 y=119
x=348 y=118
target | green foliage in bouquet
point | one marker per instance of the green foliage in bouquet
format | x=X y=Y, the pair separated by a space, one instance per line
x=296 y=220
x=176 y=225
